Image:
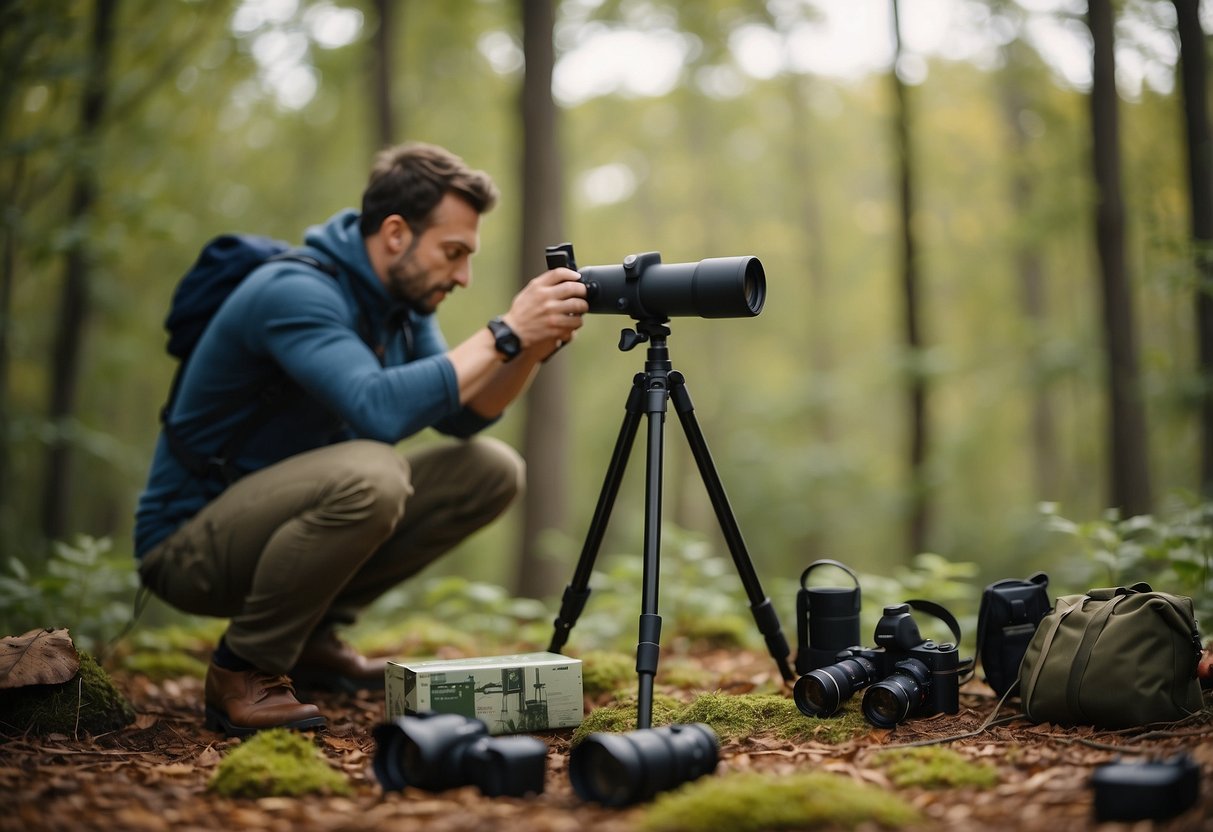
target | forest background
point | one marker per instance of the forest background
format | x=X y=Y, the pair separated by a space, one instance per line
x=938 y=384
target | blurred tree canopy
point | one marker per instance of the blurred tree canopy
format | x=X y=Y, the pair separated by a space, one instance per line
x=695 y=129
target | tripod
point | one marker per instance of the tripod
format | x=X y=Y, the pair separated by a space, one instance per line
x=650 y=393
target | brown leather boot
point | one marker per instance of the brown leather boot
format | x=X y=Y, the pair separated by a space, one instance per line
x=328 y=663
x=242 y=702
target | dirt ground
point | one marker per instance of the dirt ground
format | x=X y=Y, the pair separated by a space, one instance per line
x=153 y=774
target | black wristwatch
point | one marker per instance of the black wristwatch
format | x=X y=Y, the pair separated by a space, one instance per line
x=505 y=339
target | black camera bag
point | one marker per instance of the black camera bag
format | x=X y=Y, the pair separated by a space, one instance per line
x=1009 y=614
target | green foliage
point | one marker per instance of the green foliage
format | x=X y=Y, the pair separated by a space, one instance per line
x=419 y=617
x=753 y=802
x=173 y=650
x=678 y=672
x=604 y=671
x=160 y=666
x=276 y=763
x=79 y=589
x=931 y=577
x=932 y=767
x=702 y=602
x=702 y=599
x=88 y=702
x=1173 y=553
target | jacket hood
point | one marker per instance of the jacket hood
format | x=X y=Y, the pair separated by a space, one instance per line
x=340 y=240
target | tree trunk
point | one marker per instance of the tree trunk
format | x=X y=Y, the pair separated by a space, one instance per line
x=74 y=301
x=917 y=532
x=1200 y=195
x=803 y=165
x=381 y=71
x=1029 y=266
x=1130 y=481
x=545 y=437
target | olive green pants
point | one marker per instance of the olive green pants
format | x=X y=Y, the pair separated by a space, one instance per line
x=310 y=541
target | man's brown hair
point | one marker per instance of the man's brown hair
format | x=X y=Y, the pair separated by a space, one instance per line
x=412 y=178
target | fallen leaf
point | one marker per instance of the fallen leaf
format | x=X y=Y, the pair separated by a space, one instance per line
x=174 y=769
x=40 y=657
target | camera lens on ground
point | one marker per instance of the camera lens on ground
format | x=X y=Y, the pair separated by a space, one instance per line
x=435 y=752
x=893 y=699
x=821 y=692
x=622 y=769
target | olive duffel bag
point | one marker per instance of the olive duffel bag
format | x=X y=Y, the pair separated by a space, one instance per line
x=1119 y=657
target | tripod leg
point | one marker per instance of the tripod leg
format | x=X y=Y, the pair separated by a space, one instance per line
x=648 y=648
x=578 y=591
x=760 y=604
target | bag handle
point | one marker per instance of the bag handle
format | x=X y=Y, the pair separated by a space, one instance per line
x=1026 y=691
x=1082 y=657
x=1110 y=592
x=804 y=576
x=802 y=596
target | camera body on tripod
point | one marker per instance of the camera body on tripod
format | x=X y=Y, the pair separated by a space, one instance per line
x=905 y=675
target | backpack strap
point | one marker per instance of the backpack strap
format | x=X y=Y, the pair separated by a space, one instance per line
x=221 y=465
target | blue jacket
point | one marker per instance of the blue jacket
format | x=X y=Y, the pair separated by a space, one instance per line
x=287 y=317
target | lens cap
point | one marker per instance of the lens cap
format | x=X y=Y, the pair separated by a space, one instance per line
x=1145 y=790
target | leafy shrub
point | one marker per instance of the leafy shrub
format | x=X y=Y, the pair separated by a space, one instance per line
x=82 y=588
x=1173 y=553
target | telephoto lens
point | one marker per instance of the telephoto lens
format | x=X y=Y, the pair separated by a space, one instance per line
x=622 y=769
x=435 y=752
x=644 y=287
x=821 y=692
x=898 y=695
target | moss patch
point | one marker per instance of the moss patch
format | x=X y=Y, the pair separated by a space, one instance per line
x=930 y=767
x=604 y=671
x=620 y=717
x=607 y=671
x=715 y=630
x=160 y=666
x=749 y=802
x=732 y=717
x=276 y=763
x=683 y=675
x=89 y=702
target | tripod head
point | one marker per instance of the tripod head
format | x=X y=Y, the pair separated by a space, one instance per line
x=645 y=330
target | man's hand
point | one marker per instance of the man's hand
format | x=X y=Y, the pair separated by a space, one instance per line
x=547 y=312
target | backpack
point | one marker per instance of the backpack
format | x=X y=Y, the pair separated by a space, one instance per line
x=1113 y=658
x=1007 y=618
x=222 y=265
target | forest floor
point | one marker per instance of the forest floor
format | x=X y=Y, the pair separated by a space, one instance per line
x=153 y=774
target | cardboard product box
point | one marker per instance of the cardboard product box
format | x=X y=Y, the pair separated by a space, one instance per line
x=515 y=694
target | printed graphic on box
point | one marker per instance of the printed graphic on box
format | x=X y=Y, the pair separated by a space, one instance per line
x=509 y=694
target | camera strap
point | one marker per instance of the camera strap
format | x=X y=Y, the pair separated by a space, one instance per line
x=943 y=614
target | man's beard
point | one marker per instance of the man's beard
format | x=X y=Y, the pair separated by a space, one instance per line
x=408 y=283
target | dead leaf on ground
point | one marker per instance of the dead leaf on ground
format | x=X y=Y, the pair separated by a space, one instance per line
x=39 y=657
